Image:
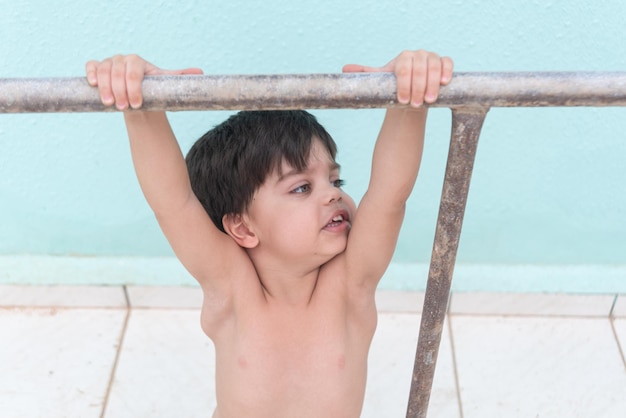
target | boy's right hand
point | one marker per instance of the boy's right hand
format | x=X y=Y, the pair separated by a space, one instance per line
x=419 y=75
x=119 y=79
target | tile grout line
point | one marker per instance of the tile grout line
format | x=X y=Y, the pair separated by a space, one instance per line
x=529 y=315
x=612 y=322
x=455 y=368
x=619 y=346
x=613 y=305
x=117 y=354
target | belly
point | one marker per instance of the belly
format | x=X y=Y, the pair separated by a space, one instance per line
x=309 y=382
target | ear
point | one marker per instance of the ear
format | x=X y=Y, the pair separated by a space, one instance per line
x=236 y=226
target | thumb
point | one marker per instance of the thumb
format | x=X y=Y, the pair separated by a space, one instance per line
x=357 y=68
x=186 y=71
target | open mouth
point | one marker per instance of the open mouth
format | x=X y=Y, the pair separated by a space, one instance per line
x=339 y=220
x=336 y=221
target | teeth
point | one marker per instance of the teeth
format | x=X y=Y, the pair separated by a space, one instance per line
x=338 y=218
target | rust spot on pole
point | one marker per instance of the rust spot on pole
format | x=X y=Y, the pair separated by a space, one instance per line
x=466 y=126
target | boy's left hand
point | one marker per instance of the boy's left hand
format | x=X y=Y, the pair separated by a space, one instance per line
x=419 y=75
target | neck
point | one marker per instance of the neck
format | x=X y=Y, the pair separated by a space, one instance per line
x=285 y=284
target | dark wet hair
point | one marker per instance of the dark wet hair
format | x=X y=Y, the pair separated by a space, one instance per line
x=231 y=161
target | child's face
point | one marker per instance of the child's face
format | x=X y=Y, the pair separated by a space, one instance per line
x=303 y=214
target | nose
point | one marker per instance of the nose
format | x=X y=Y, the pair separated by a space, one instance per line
x=334 y=194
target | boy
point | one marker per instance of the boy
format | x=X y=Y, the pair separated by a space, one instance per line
x=287 y=265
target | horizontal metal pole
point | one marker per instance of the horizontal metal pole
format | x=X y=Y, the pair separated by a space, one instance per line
x=318 y=91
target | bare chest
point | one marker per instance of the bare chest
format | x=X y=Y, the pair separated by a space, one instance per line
x=296 y=342
x=293 y=360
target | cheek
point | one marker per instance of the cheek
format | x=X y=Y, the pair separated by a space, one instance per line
x=285 y=220
x=350 y=204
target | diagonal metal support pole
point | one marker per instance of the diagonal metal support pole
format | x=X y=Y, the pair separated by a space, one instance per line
x=466 y=126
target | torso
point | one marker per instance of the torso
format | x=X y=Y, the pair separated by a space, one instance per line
x=278 y=361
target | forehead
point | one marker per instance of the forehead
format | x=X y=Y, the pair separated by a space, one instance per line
x=318 y=155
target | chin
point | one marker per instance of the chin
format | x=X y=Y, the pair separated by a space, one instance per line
x=333 y=248
x=339 y=251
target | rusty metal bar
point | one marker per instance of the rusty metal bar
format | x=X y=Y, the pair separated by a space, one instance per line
x=371 y=90
x=466 y=126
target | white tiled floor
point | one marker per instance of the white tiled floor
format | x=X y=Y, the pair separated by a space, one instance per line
x=57 y=362
x=82 y=352
x=538 y=367
x=165 y=369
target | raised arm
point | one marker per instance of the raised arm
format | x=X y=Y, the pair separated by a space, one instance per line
x=395 y=163
x=161 y=169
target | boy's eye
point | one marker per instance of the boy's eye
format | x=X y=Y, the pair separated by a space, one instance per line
x=302 y=189
x=338 y=183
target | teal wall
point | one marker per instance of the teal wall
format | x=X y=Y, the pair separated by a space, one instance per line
x=547 y=191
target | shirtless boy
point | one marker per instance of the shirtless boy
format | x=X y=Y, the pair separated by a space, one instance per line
x=287 y=264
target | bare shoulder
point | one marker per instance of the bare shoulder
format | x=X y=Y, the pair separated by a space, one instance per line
x=338 y=282
x=230 y=288
x=212 y=257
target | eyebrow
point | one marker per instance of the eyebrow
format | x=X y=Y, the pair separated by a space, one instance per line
x=294 y=171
